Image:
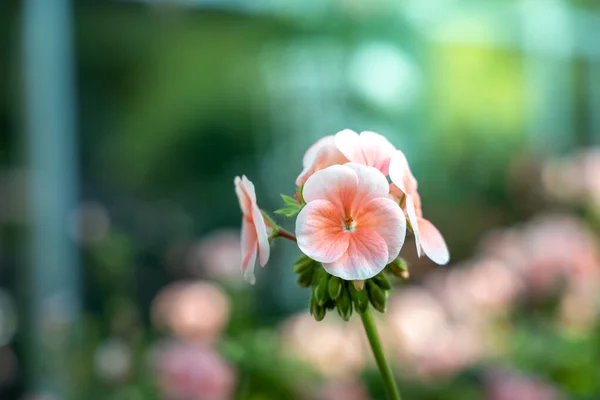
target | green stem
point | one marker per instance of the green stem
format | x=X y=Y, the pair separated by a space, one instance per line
x=384 y=368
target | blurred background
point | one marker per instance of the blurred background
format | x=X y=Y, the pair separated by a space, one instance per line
x=123 y=124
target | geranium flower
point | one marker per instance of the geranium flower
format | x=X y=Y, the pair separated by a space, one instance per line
x=255 y=240
x=349 y=224
x=428 y=238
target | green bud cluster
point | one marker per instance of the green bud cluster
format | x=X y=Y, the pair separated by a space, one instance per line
x=332 y=293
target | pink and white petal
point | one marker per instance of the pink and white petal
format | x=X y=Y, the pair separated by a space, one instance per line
x=326 y=157
x=367 y=255
x=320 y=233
x=349 y=143
x=433 y=242
x=372 y=184
x=313 y=150
x=377 y=150
x=248 y=188
x=244 y=200
x=413 y=220
x=336 y=184
x=249 y=245
x=387 y=219
x=264 y=249
x=399 y=171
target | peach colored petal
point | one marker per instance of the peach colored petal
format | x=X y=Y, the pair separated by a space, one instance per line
x=413 y=219
x=326 y=156
x=386 y=218
x=337 y=184
x=433 y=242
x=249 y=249
x=368 y=148
x=313 y=150
x=320 y=233
x=242 y=195
x=372 y=184
x=400 y=173
x=377 y=150
x=264 y=249
x=367 y=255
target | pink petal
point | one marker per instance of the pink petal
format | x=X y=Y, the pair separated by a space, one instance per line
x=336 y=184
x=433 y=242
x=246 y=194
x=386 y=218
x=313 y=150
x=372 y=184
x=264 y=249
x=249 y=249
x=377 y=150
x=319 y=231
x=367 y=255
x=413 y=219
x=327 y=156
x=399 y=172
x=349 y=143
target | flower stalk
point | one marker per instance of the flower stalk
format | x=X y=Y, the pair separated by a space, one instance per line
x=384 y=368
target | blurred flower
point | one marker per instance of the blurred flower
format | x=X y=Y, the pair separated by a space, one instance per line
x=547 y=250
x=348 y=223
x=217 y=254
x=112 y=361
x=192 y=372
x=344 y=389
x=332 y=347
x=90 y=223
x=426 y=339
x=255 y=239
x=508 y=385
x=191 y=310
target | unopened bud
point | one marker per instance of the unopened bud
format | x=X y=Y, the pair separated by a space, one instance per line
x=344 y=305
x=382 y=281
x=360 y=298
x=317 y=311
x=304 y=264
x=335 y=287
x=398 y=267
x=306 y=278
x=377 y=296
x=359 y=285
x=321 y=292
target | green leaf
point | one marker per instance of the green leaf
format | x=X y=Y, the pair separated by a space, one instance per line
x=292 y=207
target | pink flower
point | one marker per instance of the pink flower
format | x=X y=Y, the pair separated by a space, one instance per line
x=349 y=224
x=319 y=156
x=255 y=239
x=404 y=188
x=368 y=148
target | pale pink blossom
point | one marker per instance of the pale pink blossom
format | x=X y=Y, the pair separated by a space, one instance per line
x=368 y=148
x=349 y=224
x=255 y=240
x=192 y=371
x=319 y=156
x=404 y=186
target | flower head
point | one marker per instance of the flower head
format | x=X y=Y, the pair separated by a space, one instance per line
x=349 y=224
x=428 y=238
x=255 y=240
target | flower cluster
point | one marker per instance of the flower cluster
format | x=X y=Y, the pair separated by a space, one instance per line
x=355 y=199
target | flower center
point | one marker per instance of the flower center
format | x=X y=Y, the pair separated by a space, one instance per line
x=349 y=224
